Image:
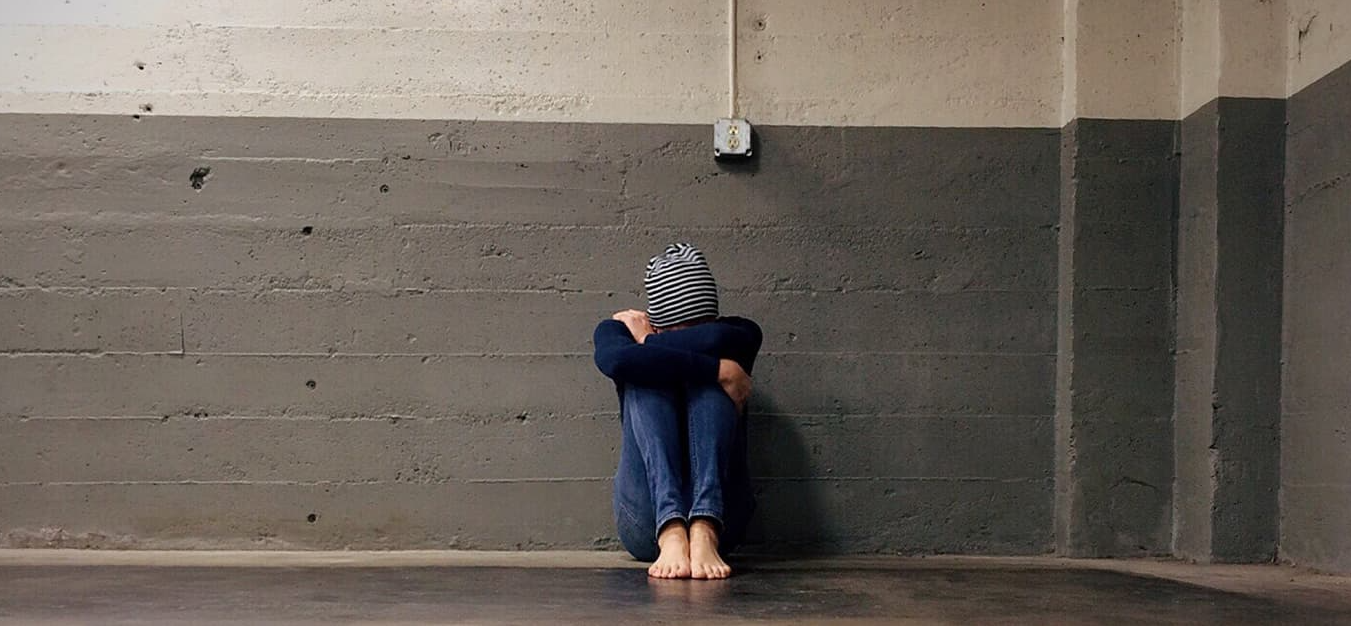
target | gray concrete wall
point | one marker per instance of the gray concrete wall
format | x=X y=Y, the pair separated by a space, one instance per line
x=1316 y=401
x=367 y=333
x=247 y=304
x=1194 y=371
x=1248 y=295
x=1115 y=369
x=1227 y=394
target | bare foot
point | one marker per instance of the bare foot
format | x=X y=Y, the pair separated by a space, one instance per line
x=704 y=559
x=674 y=559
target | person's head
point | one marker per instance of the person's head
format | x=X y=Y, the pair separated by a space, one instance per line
x=680 y=288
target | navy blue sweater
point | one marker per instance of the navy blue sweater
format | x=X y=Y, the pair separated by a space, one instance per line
x=676 y=357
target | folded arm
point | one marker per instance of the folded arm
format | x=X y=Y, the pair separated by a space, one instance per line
x=729 y=338
x=623 y=359
x=723 y=352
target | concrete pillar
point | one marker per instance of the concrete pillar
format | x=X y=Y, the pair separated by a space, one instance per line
x=1227 y=385
x=1114 y=369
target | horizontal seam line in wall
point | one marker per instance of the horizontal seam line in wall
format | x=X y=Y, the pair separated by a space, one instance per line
x=349 y=290
x=505 y=417
x=1120 y=288
x=386 y=159
x=1049 y=129
x=732 y=229
x=460 y=355
x=339 y=95
x=1163 y=153
x=984 y=479
x=487 y=419
x=390 y=160
x=222 y=25
x=266 y=483
x=1163 y=220
x=494 y=98
x=886 y=416
x=522 y=480
x=160 y=220
x=1163 y=417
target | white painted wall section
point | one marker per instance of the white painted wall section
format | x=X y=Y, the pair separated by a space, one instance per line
x=1125 y=57
x=1318 y=36
x=1253 y=48
x=962 y=63
x=858 y=62
x=1199 y=61
x=1232 y=49
x=928 y=63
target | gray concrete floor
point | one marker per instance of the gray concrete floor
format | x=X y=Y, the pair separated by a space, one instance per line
x=74 y=587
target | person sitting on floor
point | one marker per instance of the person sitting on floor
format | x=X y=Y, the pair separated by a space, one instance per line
x=682 y=491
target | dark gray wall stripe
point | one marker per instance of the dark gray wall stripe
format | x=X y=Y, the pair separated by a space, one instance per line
x=1248 y=295
x=908 y=280
x=1114 y=372
x=1229 y=312
x=1194 y=395
x=437 y=283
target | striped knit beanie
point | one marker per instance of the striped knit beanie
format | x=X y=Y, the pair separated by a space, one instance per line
x=680 y=287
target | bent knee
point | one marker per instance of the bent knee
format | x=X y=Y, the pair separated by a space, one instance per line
x=710 y=396
x=643 y=395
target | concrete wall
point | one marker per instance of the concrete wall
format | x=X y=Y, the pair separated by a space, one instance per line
x=1316 y=403
x=1019 y=264
x=1114 y=376
x=1227 y=391
x=1258 y=444
x=1228 y=345
x=353 y=327
x=1118 y=176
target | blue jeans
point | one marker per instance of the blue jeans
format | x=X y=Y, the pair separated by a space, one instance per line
x=683 y=457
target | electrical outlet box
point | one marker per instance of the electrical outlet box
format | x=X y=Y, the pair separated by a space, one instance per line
x=731 y=138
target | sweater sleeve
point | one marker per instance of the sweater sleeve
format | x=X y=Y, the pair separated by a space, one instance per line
x=624 y=360
x=727 y=338
x=747 y=346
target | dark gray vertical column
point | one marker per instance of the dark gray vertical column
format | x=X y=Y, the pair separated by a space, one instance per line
x=1246 y=429
x=1115 y=372
x=1194 y=392
x=1228 y=319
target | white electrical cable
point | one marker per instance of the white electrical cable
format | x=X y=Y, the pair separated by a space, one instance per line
x=731 y=58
